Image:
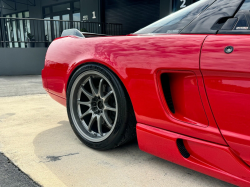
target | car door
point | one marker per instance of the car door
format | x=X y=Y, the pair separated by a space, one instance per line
x=171 y=60
x=225 y=67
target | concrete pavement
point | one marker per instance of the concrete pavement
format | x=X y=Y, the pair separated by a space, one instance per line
x=35 y=134
x=20 y=85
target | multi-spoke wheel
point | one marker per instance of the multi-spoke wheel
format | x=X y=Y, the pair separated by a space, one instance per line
x=98 y=108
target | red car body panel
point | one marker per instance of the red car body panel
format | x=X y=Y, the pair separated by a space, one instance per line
x=136 y=60
x=186 y=97
x=209 y=158
x=227 y=80
x=193 y=64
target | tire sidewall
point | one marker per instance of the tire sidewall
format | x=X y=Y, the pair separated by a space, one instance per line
x=120 y=125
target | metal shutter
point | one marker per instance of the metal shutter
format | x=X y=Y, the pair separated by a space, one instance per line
x=133 y=14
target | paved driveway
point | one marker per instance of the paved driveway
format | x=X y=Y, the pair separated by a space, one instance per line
x=35 y=134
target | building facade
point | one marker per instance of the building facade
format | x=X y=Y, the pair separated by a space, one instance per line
x=131 y=14
x=29 y=26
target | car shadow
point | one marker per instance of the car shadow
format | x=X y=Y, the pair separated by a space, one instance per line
x=76 y=165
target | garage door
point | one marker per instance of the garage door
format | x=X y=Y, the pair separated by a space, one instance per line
x=133 y=14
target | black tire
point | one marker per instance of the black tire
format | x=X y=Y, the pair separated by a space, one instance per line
x=124 y=128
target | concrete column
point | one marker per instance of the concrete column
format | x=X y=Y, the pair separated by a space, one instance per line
x=36 y=11
x=165 y=7
x=90 y=12
x=37 y=27
x=1 y=5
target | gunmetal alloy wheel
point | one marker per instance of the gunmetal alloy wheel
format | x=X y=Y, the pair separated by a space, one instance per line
x=98 y=108
x=93 y=103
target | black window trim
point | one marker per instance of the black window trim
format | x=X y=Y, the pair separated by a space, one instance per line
x=70 y=12
x=205 y=21
x=233 y=31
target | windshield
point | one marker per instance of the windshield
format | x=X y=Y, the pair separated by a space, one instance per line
x=175 y=22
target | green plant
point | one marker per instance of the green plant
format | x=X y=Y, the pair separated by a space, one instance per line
x=84 y=30
x=30 y=36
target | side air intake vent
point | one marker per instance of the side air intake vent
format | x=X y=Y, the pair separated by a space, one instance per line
x=182 y=148
x=167 y=92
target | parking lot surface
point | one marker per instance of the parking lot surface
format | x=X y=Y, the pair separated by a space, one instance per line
x=11 y=176
x=20 y=85
x=36 y=136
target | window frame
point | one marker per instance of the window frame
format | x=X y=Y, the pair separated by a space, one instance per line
x=16 y=13
x=246 y=13
x=51 y=14
x=220 y=9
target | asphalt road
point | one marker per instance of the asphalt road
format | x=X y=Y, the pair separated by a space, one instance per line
x=11 y=176
x=36 y=136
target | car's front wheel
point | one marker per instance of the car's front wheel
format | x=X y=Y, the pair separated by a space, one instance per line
x=99 y=109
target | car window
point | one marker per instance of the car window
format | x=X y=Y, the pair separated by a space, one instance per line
x=242 y=23
x=242 y=15
x=175 y=22
x=245 y=5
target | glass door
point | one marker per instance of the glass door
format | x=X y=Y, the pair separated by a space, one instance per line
x=66 y=23
x=47 y=28
x=56 y=26
x=64 y=15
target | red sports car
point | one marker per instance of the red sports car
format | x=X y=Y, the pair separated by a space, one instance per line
x=180 y=85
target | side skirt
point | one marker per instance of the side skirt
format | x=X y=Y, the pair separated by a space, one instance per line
x=58 y=99
x=209 y=158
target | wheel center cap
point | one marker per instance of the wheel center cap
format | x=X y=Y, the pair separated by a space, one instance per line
x=100 y=104
x=97 y=105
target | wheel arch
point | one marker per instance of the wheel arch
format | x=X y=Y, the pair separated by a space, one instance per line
x=77 y=67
